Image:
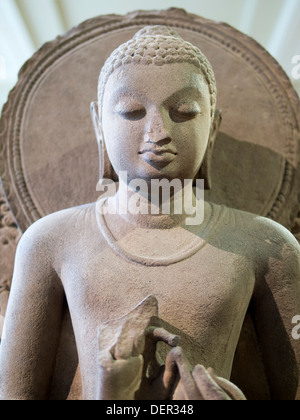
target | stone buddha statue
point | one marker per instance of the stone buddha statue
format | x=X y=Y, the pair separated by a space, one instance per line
x=155 y=119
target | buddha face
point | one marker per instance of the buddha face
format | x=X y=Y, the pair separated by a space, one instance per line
x=156 y=120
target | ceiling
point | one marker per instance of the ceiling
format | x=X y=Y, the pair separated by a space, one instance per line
x=26 y=24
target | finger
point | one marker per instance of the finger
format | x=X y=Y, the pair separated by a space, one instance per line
x=120 y=380
x=154 y=335
x=152 y=366
x=105 y=358
x=171 y=372
x=232 y=390
x=176 y=357
x=179 y=393
x=208 y=388
x=160 y=334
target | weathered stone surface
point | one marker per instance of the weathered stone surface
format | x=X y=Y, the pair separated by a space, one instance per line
x=46 y=120
x=229 y=284
x=9 y=237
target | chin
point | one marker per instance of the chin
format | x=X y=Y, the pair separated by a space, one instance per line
x=154 y=173
x=148 y=172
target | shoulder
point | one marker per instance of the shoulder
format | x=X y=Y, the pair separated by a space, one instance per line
x=254 y=235
x=269 y=234
x=49 y=232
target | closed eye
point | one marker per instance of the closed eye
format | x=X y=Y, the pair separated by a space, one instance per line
x=133 y=115
x=184 y=112
x=129 y=109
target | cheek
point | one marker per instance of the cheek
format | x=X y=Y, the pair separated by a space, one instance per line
x=120 y=140
x=113 y=140
x=192 y=139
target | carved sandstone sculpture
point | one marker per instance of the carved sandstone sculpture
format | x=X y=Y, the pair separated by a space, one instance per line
x=130 y=366
x=155 y=119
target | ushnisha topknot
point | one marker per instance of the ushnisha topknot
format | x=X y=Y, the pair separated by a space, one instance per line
x=158 y=45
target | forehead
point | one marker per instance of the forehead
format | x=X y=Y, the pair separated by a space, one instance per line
x=157 y=83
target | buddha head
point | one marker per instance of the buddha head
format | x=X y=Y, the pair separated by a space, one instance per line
x=156 y=113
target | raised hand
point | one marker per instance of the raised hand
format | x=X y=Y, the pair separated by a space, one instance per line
x=198 y=383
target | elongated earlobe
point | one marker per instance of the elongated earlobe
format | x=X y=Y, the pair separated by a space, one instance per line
x=106 y=170
x=205 y=170
x=95 y=120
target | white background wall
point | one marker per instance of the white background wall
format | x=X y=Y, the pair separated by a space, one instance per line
x=26 y=24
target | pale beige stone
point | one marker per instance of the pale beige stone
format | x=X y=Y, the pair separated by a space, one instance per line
x=158 y=120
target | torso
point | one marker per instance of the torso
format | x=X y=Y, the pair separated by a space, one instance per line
x=205 y=295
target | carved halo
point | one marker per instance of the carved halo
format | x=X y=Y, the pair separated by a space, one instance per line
x=48 y=152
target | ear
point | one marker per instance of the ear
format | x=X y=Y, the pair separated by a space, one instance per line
x=215 y=127
x=96 y=123
x=205 y=170
x=106 y=170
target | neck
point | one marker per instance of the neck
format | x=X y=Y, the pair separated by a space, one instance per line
x=158 y=208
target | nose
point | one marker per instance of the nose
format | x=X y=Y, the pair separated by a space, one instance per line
x=157 y=130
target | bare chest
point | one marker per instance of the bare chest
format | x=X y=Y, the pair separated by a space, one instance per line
x=204 y=299
x=193 y=294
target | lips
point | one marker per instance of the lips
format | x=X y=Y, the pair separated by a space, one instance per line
x=158 y=155
x=158 y=151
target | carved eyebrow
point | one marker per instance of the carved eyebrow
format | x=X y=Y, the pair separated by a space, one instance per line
x=123 y=92
x=193 y=93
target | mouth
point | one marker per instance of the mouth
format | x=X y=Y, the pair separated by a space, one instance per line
x=158 y=156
